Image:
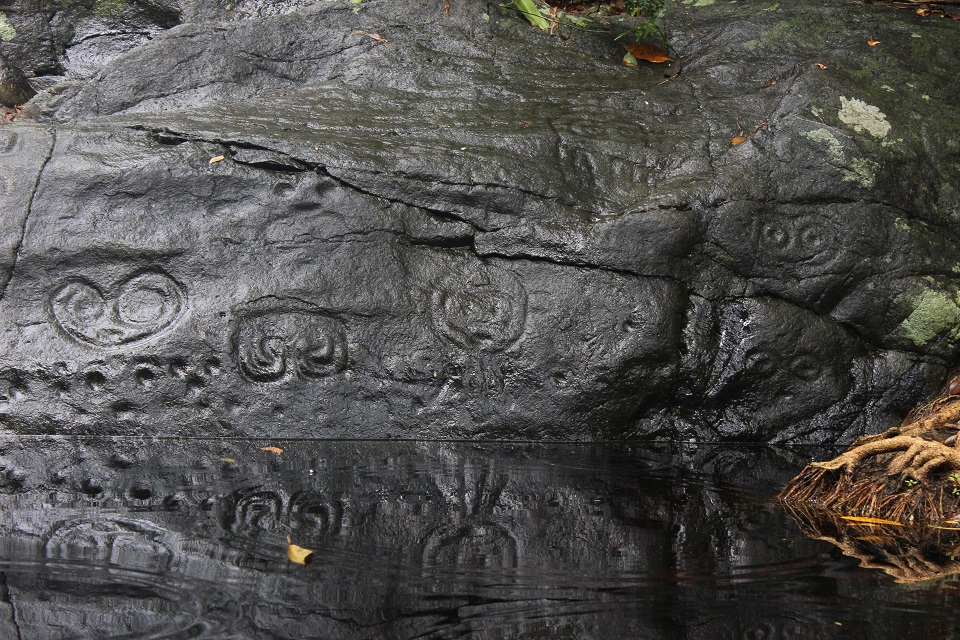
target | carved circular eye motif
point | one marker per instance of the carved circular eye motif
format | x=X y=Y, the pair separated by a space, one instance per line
x=78 y=303
x=812 y=239
x=139 y=306
x=759 y=363
x=775 y=235
x=805 y=367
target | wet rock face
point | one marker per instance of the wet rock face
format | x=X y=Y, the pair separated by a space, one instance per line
x=264 y=219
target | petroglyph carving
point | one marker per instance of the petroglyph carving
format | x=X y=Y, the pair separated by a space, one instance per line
x=277 y=339
x=485 y=311
x=804 y=238
x=133 y=309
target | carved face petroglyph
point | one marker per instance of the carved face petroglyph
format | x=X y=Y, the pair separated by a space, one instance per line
x=137 y=307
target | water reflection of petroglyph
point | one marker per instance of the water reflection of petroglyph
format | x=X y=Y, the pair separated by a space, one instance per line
x=131 y=310
x=479 y=545
x=485 y=311
x=279 y=338
x=111 y=542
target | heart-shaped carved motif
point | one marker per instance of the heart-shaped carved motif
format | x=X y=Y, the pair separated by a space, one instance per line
x=134 y=309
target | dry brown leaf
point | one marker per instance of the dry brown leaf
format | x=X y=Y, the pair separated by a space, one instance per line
x=296 y=553
x=872 y=42
x=735 y=140
x=216 y=159
x=820 y=66
x=648 y=52
x=276 y=450
x=373 y=36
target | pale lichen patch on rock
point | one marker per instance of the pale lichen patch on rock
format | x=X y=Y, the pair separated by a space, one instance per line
x=7 y=32
x=863 y=117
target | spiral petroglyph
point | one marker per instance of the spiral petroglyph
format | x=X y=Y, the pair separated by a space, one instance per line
x=282 y=339
x=133 y=309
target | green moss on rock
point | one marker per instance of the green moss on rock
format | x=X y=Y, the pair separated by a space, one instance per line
x=934 y=314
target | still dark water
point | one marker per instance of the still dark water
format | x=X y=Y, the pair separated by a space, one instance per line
x=125 y=538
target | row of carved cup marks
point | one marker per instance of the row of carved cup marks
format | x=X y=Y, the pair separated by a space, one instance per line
x=113 y=384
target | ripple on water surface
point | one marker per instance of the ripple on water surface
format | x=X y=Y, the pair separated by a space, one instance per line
x=164 y=539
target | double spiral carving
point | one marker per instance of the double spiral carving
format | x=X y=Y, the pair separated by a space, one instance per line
x=282 y=341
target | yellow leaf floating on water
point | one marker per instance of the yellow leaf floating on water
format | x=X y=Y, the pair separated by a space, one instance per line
x=864 y=520
x=297 y=554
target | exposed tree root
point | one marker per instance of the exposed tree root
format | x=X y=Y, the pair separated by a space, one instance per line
x=892 y=500
x=909 y=474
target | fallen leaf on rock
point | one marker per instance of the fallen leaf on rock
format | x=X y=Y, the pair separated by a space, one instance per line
x=216 y=159
x=276 y=450
x=373 y=36
x=630 y=61
x=735 y=140
x=296 y=553
x=820 y=66
x=230 y=460
x=648 y=52
x=863 y=520
x=872 y=42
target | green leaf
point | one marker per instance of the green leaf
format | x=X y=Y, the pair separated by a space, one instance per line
x=529 y=10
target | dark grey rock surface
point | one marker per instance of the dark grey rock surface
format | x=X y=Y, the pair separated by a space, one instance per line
x=257 y=218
